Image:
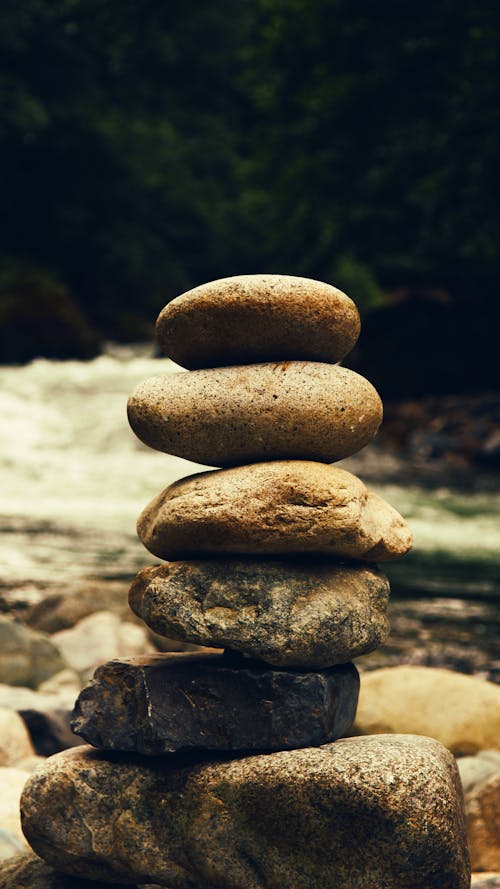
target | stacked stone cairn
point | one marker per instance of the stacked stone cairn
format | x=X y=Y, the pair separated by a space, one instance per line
x=223 y=769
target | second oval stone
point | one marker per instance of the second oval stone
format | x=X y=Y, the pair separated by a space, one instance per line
x=233 y=415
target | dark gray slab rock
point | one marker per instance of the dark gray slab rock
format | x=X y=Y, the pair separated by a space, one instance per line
x=160 y=704
x=361 y=813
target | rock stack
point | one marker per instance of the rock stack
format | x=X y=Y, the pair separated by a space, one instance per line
x=223 y=769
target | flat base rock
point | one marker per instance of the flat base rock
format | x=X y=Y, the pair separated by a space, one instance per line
x=361 y=813
x=165 y=703
x=305 y=614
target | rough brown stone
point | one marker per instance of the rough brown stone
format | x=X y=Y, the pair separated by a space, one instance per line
x=463 y=712
x=26 y=657
x=232 y=415
x=30 y=872
x=162 y=704
x=288 y=614
x=291 y=506
x=252 y=318
x=359 y=813
x=483 y=824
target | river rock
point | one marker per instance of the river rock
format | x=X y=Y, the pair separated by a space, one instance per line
x=26 y=657
x=483 y=825
x=161 y=704
x=359 y=813
x=232 y=415
x=12 y=781
x=252 y=318
x=291 y=506
x=462 y=712
x=99 y=636
x=474 y=770
x=15 y=743
x=289 y=614
x=28 y=871
x=47 y=716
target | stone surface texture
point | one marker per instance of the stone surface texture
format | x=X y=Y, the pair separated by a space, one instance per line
x=15 y=743
x=176 y=702
x=462 y=712
x=360 y=813
x=482 y=806
x=30 y=872
x=26 y=657
x=288 y=614
x=289 y=506
x=232 y=415
x=253 y=318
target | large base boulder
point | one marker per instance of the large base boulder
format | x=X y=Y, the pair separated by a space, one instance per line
x=359 y=813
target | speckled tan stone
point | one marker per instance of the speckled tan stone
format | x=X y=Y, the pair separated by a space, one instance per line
x=463 y=712
x=290 y=614
x=292 y=506
x=232 y=415
x=361 y=813
x=252 y=318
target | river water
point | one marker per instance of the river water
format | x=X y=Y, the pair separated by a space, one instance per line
x=73 y=479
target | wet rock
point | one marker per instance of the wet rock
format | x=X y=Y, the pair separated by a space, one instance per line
x=12 y=781
x=358 y=813
x=98 y=637
x=62 y=610
x=30 y=872
x=460 y=711
x=291 y=506
x=474 y=770
x=482 y=806
x=294 y=410
x=47 y=716
x=26 y=656
x=15 y=741
x=288 y=614
x=252 y=318
x=161 y=704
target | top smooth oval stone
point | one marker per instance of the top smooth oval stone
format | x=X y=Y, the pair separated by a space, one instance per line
x=253 y=318
x=232 y=415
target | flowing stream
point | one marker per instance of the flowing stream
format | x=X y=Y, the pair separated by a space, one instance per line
x=74 y=479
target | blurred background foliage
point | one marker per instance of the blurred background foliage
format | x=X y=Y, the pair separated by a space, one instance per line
x=148 y=147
